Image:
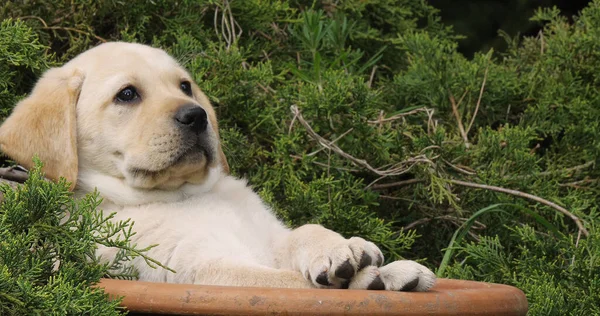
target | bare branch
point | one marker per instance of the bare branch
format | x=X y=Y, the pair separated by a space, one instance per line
x=527 y=196
x=542 y=42
x=458 y=221
x=70 y=29
x=331 y=142
x=372 y=76
x=396 y=184
x=459 y=169
x=478 y=100
x=578 y=184
x=395 y=170
x=553 y=172
x=461 y=128
x=327 y=166
x=398 y=116
x=418 y=222
x=33 y=17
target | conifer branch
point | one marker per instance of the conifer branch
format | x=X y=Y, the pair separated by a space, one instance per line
x=535 y=198
x=10 y=183
x=394 y=170
x=527 y=196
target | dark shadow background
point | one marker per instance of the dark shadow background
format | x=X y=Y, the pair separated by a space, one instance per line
x=480 y=20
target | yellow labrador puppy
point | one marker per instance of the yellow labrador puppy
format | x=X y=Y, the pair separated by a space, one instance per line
x=128 y=120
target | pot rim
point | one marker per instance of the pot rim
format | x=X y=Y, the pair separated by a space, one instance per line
x=447 y=297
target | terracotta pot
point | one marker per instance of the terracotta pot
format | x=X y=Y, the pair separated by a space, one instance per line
x=448 y=297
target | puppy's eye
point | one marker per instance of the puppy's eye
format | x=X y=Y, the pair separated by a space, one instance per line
x=128 y=94
x=186 y=87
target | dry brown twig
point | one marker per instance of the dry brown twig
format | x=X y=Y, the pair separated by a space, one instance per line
x=381 y=120
x=459 y=169
x=554 y=172
x=527 y=196
x=578 y=184
x=478 y=100
x=431 y=123
x=396 y=184
x=330 y=143
x=465 y=132
x=458 y=221
x=455 y=106
x=372 y=76
x=267 y=89
x=320 y=164
x=542 y=42
x=394 y=170
x=70 y=29
x=33 y=17
x=228 y=25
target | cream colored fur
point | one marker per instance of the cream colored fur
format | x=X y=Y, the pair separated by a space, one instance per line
x=211 y=227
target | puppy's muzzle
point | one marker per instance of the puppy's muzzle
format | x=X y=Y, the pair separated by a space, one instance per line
x=192 y=118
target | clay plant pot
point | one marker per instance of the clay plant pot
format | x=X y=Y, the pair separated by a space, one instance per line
x=448 y=297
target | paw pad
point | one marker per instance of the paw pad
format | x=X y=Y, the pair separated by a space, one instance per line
x=410 y=285
x=377 y=284
x=345 y=270
x=322 y=279
x=365 y=260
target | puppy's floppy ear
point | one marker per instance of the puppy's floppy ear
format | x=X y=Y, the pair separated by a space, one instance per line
x=44 y=124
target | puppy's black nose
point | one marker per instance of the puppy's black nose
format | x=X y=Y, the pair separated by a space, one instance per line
x=192 y=117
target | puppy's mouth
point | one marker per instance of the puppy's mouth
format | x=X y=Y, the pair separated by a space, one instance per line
x=190 y=157
x=180 y=160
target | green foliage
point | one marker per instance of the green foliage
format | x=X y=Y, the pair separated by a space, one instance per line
x=559 y=275
x=23 y=59
x=381 y=82
x=47 y=250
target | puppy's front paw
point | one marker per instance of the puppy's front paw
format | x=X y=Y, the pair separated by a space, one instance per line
x=338 y=260
x=402 y=275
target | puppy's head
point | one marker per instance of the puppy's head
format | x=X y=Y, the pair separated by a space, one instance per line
x=124 y=110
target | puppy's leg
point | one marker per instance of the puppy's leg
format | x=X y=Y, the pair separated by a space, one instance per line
x=329 y=260
x=228 y=272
